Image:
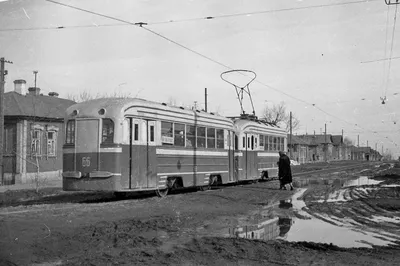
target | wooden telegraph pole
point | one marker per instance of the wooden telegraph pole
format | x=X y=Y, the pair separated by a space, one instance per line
x=3 y=73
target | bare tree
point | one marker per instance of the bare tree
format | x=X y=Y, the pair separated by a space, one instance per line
x=87 y=96
x=277 y=115
x=347 y=141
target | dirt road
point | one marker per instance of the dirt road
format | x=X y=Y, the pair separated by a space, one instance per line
x=209 y=228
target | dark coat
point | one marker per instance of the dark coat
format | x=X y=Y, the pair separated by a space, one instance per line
x=285 y=173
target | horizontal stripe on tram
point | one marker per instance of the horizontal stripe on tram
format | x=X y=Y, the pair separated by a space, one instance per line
x=101 y=150
x=190 y=152
x=267 y=154
x=273 y=168
x=191 y=173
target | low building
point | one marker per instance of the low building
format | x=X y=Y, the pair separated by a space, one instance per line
x=298 y=149
x=33 y=134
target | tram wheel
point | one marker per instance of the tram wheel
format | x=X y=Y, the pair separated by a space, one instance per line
x=162 y=192
x=204 y=188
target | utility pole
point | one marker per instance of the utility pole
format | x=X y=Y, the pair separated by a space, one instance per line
x=205 y=96
x=326 y=145
x=290 y=135
x=3 y=73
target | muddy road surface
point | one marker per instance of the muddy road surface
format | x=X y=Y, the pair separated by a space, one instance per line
x=339 y=214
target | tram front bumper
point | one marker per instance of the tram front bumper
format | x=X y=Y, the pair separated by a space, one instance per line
x=93 y=174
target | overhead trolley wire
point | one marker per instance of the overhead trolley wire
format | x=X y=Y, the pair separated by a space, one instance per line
x=391 y=51
x=141 y=25
x=244 y=14
x=386 y=39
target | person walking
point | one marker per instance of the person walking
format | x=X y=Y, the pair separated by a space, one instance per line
x=285 y=172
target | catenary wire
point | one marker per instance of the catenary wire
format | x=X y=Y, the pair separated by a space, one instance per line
x=188 y=19
x=391 y=52
x=199 y=54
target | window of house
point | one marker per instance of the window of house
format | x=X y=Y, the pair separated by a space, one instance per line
x=201 y=137
x=36 y=148
x=220 y=138
x=167 y=133
x=179 y=135
x=51 y=143
x=108 y=131
x=190 y=136
x=210 y=137
x=70 y=132
x=9 y=140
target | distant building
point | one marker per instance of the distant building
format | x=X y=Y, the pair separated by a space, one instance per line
x=34 y=134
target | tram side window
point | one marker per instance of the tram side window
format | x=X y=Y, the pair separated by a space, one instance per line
x=211 y=138
x=201 y=137
x=282 y=144
x=266 y=143
x=167 y=133
x=275 y=144
x=179 y=135
x=252 y=142
x=244 y=142
x=262 y=141
x=190 y=136
x=70 y=132
x=236 y=142
x=108 y=131
x=152 y=133
x=271 y=143
x=220 y=138
x=136 y=132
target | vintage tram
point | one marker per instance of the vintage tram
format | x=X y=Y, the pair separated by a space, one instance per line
x=123 y=145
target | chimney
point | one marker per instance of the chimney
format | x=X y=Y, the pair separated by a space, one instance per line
x=20 y=86
x=34 y=91
x=53 y=94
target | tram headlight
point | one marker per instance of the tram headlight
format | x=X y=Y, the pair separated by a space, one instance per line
x=75 y=112
x=102 y=111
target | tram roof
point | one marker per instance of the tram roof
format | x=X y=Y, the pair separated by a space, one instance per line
x=119 y=107
x=247 y=125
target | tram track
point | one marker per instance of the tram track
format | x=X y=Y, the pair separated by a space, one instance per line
x=101 y=199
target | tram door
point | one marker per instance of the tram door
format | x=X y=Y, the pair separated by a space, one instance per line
x=143 y=157
x=250 y=157
x=231 y=157
x=236 y=157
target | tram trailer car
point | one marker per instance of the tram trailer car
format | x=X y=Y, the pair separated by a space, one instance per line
x=257 y=147
x=123 y=145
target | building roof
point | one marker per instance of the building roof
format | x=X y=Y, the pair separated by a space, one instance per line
x=295 y=140
x=337 y=139
x=41 y=106
x=316 y=139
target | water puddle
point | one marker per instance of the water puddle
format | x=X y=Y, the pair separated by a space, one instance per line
x=362 y=180
x=291 y=222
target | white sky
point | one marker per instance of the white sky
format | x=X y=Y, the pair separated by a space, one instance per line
x=312 y=54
